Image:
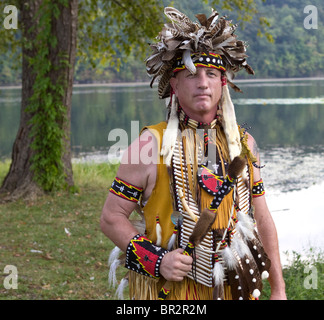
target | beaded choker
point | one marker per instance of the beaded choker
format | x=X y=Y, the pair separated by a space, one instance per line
x=186 y=120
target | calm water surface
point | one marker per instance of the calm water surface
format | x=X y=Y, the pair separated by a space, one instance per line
x=286 y=119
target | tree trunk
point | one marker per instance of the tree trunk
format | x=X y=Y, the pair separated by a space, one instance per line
x=19 y=180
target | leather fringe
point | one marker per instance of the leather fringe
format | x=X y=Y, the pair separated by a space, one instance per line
x=144 y=288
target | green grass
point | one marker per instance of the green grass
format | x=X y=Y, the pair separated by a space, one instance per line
x=53 y=264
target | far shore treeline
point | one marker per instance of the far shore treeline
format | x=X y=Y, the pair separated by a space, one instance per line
x=297 y=49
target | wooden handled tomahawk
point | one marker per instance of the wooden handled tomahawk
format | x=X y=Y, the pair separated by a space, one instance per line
x=208 y=216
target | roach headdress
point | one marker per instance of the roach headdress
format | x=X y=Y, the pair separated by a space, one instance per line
x=183 y=43
x=182 y=37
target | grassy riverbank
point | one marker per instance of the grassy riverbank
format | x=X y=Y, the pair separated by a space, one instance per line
x=56 y=244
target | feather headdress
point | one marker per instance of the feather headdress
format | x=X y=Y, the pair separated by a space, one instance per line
x=186 y=42
x=182 y=37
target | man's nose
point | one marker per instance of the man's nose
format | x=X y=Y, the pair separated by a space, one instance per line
x=202 y=81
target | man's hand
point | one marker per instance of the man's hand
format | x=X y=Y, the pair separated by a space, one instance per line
x=175 y=265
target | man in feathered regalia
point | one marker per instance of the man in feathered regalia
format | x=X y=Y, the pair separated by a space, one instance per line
x=203 y=228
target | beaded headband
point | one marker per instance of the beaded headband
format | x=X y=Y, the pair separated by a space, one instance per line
x=207 y=60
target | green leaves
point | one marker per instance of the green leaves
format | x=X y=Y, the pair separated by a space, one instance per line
x=112 y=30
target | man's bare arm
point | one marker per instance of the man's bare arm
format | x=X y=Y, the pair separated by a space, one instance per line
x=115 y=222
x=268 y=233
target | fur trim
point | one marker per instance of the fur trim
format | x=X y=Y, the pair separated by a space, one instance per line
x=236 y=167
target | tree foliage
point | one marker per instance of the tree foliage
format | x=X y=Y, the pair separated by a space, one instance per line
x=112 y=44
x=113 y=36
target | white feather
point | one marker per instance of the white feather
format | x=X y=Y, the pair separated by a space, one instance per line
x=240 y=247
x=245 y=219
x=213 y=23
x=172 y=241
x=158 y=234
x=167 y=101
x=245 y=232
x=187 y=60
x=120 y=290
x=218 y=274
x=113 y=255
x=229 y=258
x=112 y=280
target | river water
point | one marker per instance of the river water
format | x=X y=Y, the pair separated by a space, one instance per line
x=285 y=117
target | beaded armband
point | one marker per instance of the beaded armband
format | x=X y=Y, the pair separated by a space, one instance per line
x=143 y=257
x=125 y=190
x=258 y=189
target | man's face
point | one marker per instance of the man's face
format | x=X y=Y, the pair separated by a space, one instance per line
x=200 y=93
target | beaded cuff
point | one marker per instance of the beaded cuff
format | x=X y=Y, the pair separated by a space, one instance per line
x=143 y=257
x=258 y=189
x=125 y=190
